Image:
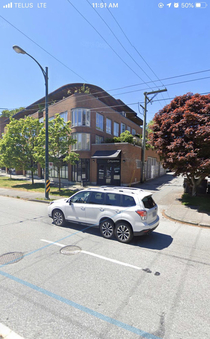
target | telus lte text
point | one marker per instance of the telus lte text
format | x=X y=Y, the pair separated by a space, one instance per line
x=30 y=5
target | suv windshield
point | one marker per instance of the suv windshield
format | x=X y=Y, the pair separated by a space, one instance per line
x=148 y=202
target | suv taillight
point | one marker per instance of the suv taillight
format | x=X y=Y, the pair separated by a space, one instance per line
x=142 y=214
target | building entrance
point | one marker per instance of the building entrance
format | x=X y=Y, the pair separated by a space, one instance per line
x=108 y=172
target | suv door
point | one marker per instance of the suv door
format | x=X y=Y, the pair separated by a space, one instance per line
x=76 y=209
x=113 y=205
x=95 y=207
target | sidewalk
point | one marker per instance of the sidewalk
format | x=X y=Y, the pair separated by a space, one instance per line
x=173 y=187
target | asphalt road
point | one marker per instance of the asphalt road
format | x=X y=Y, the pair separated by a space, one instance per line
x=155 y=287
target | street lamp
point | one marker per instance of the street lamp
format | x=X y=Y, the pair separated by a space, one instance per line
x=19 y=50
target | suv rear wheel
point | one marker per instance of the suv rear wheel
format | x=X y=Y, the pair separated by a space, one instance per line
x=58 y=218
x=106 y=228
x=123 y=232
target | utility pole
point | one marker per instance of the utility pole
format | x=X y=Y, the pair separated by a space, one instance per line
x=146 y=101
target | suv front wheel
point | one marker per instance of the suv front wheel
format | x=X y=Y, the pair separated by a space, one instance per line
x=58 y=218
x=106 y=228
x=123 y=232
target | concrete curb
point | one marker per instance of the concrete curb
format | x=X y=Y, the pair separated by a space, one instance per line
x=167 y=215
x=6 y=333
x=37 y=200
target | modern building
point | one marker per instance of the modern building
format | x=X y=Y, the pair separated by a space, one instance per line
x=96 y=117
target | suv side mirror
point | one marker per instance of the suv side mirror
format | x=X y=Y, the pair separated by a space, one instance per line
x=69 y=201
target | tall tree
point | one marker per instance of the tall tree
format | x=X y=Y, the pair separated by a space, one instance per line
x=30 y=129
x=181 y=136
x=10 y=146
x=17 y=146
x=59 y=143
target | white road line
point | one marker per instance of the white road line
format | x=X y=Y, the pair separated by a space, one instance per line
x=111 y=260
x=6 y=333
x=54 y=243
x=97 y=256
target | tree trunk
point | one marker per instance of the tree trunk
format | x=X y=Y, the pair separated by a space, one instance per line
x=32 y=177
x=195 y=184
x=194 y=187
x=59 y=179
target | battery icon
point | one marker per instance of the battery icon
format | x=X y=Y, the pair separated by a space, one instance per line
x=200 y=4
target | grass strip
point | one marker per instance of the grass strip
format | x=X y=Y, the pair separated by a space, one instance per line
x=200 y=202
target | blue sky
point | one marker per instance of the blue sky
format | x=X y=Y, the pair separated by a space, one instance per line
x=172 y=41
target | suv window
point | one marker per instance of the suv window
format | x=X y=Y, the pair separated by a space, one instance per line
x=148 y=202
x=80 y=197
x=96 y=198
x=113 y=199
x=128 y=201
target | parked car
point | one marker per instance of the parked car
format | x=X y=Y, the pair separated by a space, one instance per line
x=120 y=211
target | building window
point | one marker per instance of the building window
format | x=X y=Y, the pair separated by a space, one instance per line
x=99 y=139
x=99 y=122
x=133 y=131
x=122 y=127
x=138 y=163
x=64 y=115
x=81 y=170
x=83 y=141
x=80 y=117
x=108 y=126
x=116 y=129
x=128 y=129
x=53 y=173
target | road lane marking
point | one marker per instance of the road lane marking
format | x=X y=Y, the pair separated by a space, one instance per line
x=82 y=308
x=6 y=333
x=97 y=256
x=52 y=242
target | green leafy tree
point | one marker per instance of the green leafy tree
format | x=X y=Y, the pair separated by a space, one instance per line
x=7 y=113
x=181 y=137
x=9 y=151
x=17 y=146
x=30 y=129
x=59 y=143
x=148 y=134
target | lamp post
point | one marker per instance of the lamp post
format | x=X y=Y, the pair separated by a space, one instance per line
x=17 y=49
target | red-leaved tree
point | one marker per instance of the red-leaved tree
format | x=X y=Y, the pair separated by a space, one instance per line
x=181 y=137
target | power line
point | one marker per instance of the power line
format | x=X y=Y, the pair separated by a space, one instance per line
x=120 y=42
x=104 y=40
x=42 y=48
x=135 y=48
x=131 y=43
x=173 y=77
x=175 y=83
x=134 y=85
x=173 y=97
x=143 y=89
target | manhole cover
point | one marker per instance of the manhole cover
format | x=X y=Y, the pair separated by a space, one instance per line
x=70 y=249
x=10 y=258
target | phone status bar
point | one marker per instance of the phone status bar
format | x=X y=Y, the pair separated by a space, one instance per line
x=183 y=5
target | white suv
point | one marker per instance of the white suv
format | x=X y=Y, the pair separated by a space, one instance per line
x=120 y=211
